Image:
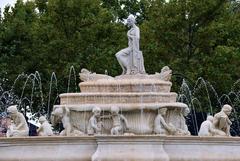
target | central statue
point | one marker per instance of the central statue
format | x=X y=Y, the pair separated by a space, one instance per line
x=131 y=58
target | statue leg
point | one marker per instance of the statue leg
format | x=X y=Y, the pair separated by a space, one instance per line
x=118 y=56
x=122 y=57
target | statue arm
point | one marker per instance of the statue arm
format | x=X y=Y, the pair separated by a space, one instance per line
x=215 y=120
x=105 y=117
x=39 y=129
x=22 y=122
x=165 y=125
x=125 y=120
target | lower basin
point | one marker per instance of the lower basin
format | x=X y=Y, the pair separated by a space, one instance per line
x=122 y=148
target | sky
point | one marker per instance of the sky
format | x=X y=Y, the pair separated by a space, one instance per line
x=3 y=3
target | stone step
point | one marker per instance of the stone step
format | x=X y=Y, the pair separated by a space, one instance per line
x=122 y=86
x=125 y=106
x=110 y=98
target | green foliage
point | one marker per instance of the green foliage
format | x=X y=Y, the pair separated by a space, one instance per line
x=195 y=38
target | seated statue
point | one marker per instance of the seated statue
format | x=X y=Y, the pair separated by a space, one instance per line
x=45 y=129
x=131 y=58
x=120 y=123
x=206 y=128
x=221 y=122
x=160 y=125
x=86 y=75
x=62 y=114
x=179 y=121
x=18 y=126
x=95 y=124
x=182 y=128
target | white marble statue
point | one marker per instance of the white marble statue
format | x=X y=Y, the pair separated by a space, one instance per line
x=221 y=122
x=86 y=75
x=131 y=58
x=120 y=123
x=177 y=118
x=166 y=74
x=18 y=126
x=206 y=128
x=45 y=129
x=62 y=114
x=183 y=130
x=160 y=125
x=95 y=123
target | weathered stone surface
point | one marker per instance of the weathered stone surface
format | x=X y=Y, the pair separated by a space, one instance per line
x=124 y=148
x=124 y=85
x=109 y=98
x=130 y=148
x=47 y=149
x=194 y=148
x=140 y=116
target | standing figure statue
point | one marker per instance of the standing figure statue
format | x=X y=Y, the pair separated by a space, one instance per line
x=221 y=122
x=19 y=126
x=95 y=123
x=131 y=58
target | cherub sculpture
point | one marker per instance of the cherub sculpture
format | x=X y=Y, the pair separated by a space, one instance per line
x=206 y=128
x=95 y=124
x=62 y=114
x=183 y=129
x=120 y=123
x=160 y=125
x=221 y=122
x=18 y=126
x=45 y=129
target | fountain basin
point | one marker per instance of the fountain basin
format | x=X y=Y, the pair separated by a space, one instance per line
x=120 y=148
x=125 y=85
x=140 y=116
x=108 y=98
x=47 y=148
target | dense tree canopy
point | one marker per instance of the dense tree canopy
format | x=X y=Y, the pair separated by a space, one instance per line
x=195 y=38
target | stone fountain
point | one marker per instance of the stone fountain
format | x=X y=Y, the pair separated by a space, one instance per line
x=133 y=116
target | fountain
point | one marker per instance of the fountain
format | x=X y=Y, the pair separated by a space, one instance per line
x=133 y=116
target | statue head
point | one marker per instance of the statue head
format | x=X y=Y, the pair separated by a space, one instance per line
x=227 y=109
x=96 y=111
x=165 y=69
x=210 y=118
x=57 y=112
x=186 y=111
x=131 y=20
x=42 y=119
x=12 y=110
x=115 y=110
x=162 y=111
x=56 y=115
x=85 y=71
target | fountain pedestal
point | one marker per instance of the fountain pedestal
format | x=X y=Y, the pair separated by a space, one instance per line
x=137 y=96
x=134 y=148
x=124 y=148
